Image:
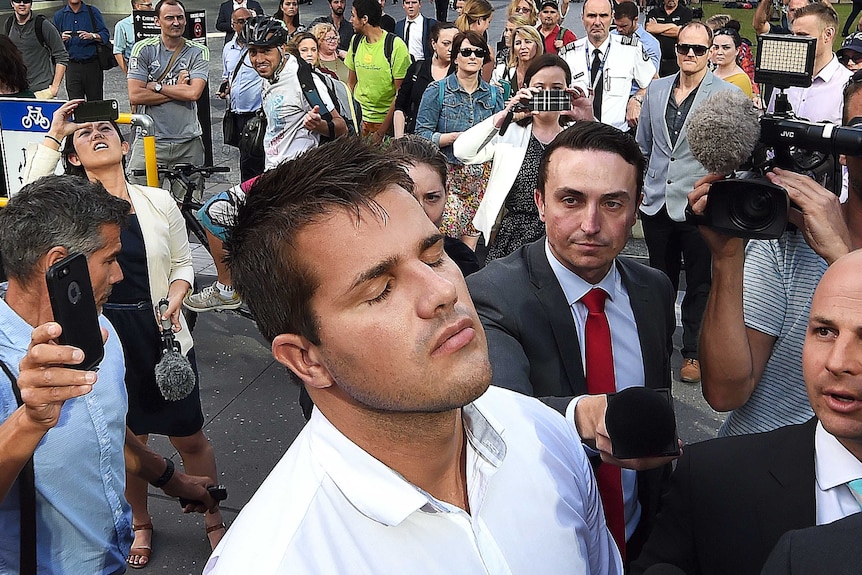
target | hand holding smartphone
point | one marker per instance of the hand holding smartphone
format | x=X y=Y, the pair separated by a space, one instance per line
x=74 y=307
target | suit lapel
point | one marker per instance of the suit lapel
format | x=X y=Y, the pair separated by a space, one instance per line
x=703 y=92
x=665 y=96
x=559 y=316
x=644 y=308
x=790 y=503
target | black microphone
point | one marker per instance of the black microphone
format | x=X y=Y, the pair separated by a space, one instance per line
x=723 y=131
x=174 y=374
x=641 y=423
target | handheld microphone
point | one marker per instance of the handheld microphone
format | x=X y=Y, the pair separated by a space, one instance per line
x=174 y=374
x=723 y=131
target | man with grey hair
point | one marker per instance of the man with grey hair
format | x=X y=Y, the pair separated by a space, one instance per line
x=65 y=434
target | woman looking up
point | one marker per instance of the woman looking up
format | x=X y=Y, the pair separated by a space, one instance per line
x=156 y=263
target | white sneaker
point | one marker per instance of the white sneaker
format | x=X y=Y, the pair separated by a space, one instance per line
x=210 y=298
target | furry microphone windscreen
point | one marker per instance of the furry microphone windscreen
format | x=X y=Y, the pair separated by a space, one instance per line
x=723 y=131
x=175 y=376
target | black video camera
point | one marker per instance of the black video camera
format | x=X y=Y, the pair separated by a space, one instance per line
x=749 y=206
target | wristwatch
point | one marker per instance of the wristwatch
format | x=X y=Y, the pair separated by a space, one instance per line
x=157 y=88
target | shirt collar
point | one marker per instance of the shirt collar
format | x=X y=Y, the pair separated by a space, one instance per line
x=417 y=19
x=833 y=464
x=575 y=287
x=377 y=491
x=602 y=48
x=828 y=70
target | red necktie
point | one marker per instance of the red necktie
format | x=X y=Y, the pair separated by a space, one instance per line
x=600 y=379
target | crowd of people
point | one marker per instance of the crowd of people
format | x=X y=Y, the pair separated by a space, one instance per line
x=469 y=343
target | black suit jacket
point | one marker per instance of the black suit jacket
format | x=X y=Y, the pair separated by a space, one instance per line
x=731 y=499
x=533 y=343
x=224 y=13
x=427 y=23
x=835 y=549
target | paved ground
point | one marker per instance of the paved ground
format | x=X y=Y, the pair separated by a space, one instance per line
x=250 y=406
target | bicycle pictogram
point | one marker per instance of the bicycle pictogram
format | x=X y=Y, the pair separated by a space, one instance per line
x=35 y=116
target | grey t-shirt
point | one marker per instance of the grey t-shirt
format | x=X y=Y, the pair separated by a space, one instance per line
x=174 y=121
x=40 y=68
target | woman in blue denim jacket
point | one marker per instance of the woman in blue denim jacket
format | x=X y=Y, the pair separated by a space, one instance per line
x=449 y=107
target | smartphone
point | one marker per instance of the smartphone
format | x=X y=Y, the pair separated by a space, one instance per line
x=96 y=111
x=74 y=307
x=550 y=101
x=506 y=85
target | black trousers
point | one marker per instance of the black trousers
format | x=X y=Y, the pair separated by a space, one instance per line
x=668 y=242
x=442 y=9
x=249 y=166
x=84 y=80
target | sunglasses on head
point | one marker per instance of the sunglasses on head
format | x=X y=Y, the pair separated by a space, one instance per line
x=22 y=1
x=683 y=49
x=466 y=52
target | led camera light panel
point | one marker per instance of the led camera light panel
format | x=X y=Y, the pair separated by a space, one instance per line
x=784 y=60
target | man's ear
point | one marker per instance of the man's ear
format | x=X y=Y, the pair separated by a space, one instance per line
x=539 y=198
x=303 y=358
x=54 y=255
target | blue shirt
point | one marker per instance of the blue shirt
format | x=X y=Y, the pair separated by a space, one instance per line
x=124 y=37
x=247 y=87
x=65 y=20
x=83 y=520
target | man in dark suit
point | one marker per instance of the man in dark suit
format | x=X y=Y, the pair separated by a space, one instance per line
x=530 y=303
x=227 y=8
x=415 y=30
x=832 y=549
x=731 y=499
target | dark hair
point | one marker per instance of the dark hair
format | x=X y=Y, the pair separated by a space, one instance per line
x=369 y=9
x=854 y=85
x=279 y=14
x=69 y=149
x=598 y=137
x=626 y=9
x=694 y=23
x=540 y=63
x=160 y=3
x=731 y=33
x=437 y=28
x=475 y=39
x=346 y=174
x=413 y=149
x=13 y=70
x=55 y=211
x=296 y=39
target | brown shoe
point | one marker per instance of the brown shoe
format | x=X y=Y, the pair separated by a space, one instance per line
x=690 y=371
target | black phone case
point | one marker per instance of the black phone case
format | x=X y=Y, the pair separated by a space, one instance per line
x=74 y=307
x=100 y=110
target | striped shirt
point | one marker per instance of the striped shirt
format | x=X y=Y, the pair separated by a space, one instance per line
x=779 y=282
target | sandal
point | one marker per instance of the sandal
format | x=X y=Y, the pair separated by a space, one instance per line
x=137 y=554
x=212 y=529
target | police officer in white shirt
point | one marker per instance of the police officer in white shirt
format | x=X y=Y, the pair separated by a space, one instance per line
x=604 y=66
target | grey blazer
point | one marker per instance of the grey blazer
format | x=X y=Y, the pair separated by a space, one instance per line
x=671 y=170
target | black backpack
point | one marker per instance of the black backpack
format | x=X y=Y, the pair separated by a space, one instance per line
x=38 y=22
x=305 y=73
x=388 y=46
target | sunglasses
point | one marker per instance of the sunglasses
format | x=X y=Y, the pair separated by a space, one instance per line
x=683 y=49
x=22 y=1
x=521 y=10
x=845 y=59
x=240 y=21
x=467 y=52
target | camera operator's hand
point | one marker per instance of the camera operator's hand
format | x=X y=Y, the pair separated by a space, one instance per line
x=720 y=245
x=819 y=217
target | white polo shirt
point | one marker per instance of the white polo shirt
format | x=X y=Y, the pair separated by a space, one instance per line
x=624 y=62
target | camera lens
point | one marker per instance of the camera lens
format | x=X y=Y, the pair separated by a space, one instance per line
x=74 y=293
x=753 y=211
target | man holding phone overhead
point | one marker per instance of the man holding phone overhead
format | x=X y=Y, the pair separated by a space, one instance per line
x=70 y=421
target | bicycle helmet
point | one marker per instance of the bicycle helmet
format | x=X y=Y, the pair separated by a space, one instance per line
x=265 y=31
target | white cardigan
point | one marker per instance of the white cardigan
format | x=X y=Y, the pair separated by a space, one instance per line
x=482 y=143
x=166 y=240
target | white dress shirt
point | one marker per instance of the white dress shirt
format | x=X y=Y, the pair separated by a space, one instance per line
x=625 y=344
x=414 y=41
x=624 y=64
x=329 y=507
x=834 y=466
